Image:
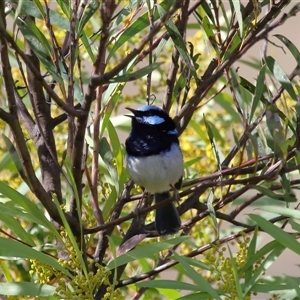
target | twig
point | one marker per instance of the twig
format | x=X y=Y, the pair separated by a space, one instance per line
x=151 y=13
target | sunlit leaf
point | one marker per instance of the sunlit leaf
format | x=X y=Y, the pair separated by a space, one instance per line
x=26 y=289
x=168 y=284
x=178 y=42
x=293 y=49
x=27 y=204
x=271 y=194
x=263 y=266
x=260 y=85
x=11 y=248
x=196 y=277
x=136 y=75
x=144 y=251
x=285 y=239
x=237 y=7
x=89 y=11
x=281 y=76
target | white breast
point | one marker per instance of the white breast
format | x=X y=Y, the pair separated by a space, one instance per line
x=157 y=172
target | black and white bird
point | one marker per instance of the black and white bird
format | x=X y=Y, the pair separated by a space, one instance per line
x=155 y=162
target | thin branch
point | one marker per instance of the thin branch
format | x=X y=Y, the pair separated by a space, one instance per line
x=172 y=74
x=186 y=113
x=151 y=13
x=21 y=147
x=193 y=253
x=97 y=80
x=39 y=77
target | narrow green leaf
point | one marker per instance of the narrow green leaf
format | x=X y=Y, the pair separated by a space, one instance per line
x=281 y=76
x=207 y=27
x=237 y=89
x=16 y=228
x=276 y=140
x=113 y=88
x=109 y=203
x=11 y=248
x=200 y=133
x=134 y=28
x=14 y=156
x=179 y=85
x=27 y=204
x=8 y=208
x=252 y=146
x=114 y=255
x=282 y=211
x=211 y=131
x=196 y=277
x=40 y=8
x=224 y=14
x=178 y=41
x=144 y=251
x=6 y=271
x=26 y=289
x=251 y=260
x=87 y=45
x=197 y=263
x=87 y=15
x=286 y=184
x=196 y=296
x=225 y=101
x=289 y=294
x=282 y=237
x=250 y=253
x=294 y=225
x=135 y=75
x=294 y=284
x=266 y=263
x=160 y=47
x=117 y=152
x=119 y=18
x=18 y=10
x=6 y=162
x=40 y=46
x=29 y=8
x=238 y=13
x=68 y=229
x=235 y=44
x=272 y=287
x=189 y=163
x=65 y=7
x=236 y=277
x=168 y=284
x=293 y=49
x=273 y=195
x=205 y=10
x=260 y=85
x=212 y=212
x=107 y=156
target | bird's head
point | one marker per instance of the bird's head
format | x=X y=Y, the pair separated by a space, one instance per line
x=152 y=118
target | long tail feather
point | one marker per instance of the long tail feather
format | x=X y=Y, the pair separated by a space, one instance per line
x=167 y=220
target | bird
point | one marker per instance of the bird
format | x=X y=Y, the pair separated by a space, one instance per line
x=155 y=162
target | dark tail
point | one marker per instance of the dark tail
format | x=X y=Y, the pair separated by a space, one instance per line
x=167 y=220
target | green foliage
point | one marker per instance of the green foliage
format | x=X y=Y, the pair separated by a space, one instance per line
x=72 y=226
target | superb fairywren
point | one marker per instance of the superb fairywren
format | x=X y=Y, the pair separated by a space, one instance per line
x=154 y=161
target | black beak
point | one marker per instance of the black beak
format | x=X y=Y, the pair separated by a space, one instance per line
x=132 y=110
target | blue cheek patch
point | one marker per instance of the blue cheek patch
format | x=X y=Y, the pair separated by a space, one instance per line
x=153 y=120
